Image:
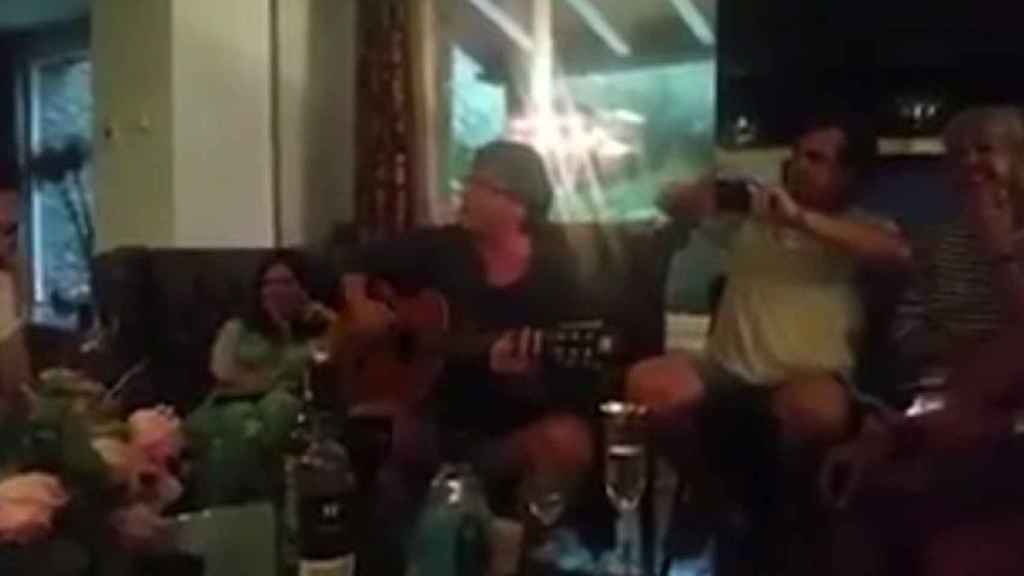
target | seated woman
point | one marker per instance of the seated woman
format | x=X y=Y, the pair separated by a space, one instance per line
x=970 y=288
x=969 y=284
x=270 y=345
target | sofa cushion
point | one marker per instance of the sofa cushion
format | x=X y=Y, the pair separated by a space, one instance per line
x=166 y=305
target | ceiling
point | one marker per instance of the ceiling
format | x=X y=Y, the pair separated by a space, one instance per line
x=779 y=58
x=769 y=36
x=22 y=14
x=653 y=30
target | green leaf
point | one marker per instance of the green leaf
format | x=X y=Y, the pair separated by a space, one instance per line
x=80 y=463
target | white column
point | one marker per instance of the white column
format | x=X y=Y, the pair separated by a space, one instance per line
x=223 y=149
x=131 y=51
x=219 y=125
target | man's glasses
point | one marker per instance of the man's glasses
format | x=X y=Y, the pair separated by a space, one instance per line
x=486 y=183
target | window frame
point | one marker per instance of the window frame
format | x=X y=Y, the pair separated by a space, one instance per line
x=34 y=69
x=37 y=50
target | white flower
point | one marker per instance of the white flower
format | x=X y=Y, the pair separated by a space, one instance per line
x=157 y=432
x=28 y=503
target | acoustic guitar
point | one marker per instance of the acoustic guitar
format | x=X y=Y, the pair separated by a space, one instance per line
x=389 y=373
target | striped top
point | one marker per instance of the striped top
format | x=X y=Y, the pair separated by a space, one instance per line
x=953 y=299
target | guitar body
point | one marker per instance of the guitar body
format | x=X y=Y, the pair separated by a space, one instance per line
x=384 y=376
x=396 y=372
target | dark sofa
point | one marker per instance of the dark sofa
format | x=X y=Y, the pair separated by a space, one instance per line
x=165 y=306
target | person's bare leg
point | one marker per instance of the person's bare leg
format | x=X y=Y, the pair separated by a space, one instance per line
x=665 y=382
x=813 y=412
x=557 y=446
x=673 y=391
x=671 y=388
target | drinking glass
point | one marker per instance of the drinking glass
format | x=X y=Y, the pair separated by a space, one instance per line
x=625 y=476
x=544 y=499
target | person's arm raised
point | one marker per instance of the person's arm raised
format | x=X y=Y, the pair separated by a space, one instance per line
x=871 y=242
x=690 y=202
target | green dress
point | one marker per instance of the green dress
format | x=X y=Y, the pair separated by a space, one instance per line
x=241 y=350
x=238 y=436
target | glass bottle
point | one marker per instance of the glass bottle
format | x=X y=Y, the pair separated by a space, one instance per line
x=452 y=534
x=326 y=497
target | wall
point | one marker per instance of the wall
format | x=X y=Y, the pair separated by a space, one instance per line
x=131 y=49
x=222 y=147
x=232 y=121
x=316 y=116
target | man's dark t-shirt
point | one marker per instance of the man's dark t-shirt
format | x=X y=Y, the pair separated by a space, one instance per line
x=469 y=395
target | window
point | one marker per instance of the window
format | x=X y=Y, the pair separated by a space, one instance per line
x=59 y=132
x=618 y=96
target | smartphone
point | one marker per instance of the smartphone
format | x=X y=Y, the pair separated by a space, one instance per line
x=733 y=195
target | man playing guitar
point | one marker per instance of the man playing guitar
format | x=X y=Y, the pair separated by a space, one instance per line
x=494 y=269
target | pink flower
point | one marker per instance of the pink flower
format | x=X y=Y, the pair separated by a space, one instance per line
x=143 y=479
x=139 y=526
x=157 y=432
x=126 y=461
x=164 y=492
x=28 y=503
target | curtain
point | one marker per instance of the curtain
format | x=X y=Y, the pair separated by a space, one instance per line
x=403 y=115
x=432 y=23
x=387 y=180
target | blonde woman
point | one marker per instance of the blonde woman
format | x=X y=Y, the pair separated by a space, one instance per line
x=963 y=315
x=970 y=282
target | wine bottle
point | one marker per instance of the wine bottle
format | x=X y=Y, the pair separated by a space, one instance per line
x=325 y=500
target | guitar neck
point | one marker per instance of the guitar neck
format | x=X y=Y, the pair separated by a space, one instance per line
x=425 y=322
x=584 y=344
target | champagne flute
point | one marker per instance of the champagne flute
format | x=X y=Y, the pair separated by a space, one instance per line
x=625 y=474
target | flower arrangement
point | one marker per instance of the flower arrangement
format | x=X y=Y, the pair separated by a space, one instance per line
x=72 y=470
